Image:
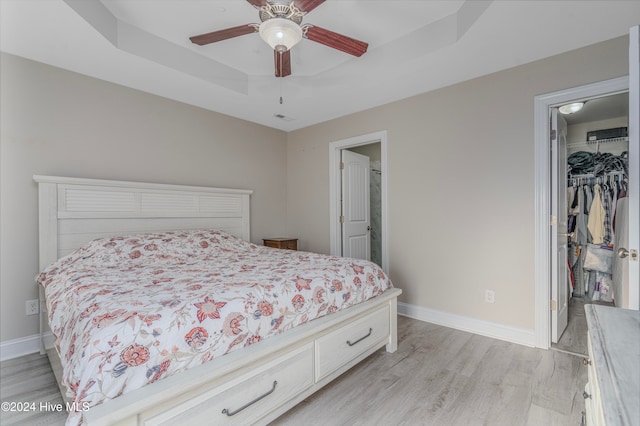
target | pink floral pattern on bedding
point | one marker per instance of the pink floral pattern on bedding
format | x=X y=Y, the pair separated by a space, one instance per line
x=127 y=311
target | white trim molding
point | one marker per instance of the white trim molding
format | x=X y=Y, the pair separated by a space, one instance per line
x=520 y=336
x=335 y=189
x=24 y=346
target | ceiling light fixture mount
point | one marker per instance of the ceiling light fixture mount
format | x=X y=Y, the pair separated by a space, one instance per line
x=281 y=10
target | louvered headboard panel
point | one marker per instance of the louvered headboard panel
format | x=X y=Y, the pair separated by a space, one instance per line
x=74 y=211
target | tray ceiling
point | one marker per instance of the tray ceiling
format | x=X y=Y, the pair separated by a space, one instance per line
x=414 y=47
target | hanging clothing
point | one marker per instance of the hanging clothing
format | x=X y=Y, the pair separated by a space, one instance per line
x=614 y=205
x=595 y=225
x=606 y=205
x=623 y=191
x=592 y=207
x=620 y=272
x=572 y=200
x=581 y=235
x=588 y=192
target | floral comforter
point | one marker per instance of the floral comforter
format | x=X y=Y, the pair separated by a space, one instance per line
x=127 y=311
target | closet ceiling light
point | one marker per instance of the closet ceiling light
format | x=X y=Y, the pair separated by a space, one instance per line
x=571 y=108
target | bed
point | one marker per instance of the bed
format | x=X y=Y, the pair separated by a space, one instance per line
x=271 y=351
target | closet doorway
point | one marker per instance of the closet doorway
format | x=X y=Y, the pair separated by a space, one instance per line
x=358 y=198
x=546 y=224
x=589 y=203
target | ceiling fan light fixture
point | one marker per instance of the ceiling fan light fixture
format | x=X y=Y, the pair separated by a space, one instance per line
x=571 y=108
x=280 y=33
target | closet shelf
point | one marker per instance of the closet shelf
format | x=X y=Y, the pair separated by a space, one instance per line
x=611 y=140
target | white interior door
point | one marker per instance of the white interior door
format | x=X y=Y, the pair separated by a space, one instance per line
x=559 y=243
x=634 y=170
x=356 y=239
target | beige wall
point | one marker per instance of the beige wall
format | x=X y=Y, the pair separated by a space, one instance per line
x=460 y=181
x=460 y=173
x=61 y=123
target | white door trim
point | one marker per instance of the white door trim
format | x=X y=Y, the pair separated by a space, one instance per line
x=634 y=162
x=542 y=178
x=334 y=190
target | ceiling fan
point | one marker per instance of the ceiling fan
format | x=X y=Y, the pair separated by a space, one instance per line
x=281 y=27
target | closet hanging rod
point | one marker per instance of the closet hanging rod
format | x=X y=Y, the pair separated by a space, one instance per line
x=612 y=172
x=608 y=179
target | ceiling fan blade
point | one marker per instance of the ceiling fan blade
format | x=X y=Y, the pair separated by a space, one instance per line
x=283 y=63
x=215 y=36
x=258 y=3
x=337 y=41
x=308 y=5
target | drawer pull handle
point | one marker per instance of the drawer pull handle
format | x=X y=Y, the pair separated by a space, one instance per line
x=362 y=338
x=585 y=395
x=269 y=392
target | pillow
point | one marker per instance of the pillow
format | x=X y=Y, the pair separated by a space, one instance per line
x=171 y=247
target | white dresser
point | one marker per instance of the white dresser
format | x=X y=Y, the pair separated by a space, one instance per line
x=612 y=394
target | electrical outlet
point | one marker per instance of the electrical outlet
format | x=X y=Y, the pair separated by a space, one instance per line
x=490 y=296
x=32 y=307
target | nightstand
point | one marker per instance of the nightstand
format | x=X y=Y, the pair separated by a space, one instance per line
x=281 y=243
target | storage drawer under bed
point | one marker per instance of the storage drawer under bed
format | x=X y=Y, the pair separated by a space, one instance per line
x=345 y=344
x=244 y=400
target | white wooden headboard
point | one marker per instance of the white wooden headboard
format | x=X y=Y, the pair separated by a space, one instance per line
x=74 y=211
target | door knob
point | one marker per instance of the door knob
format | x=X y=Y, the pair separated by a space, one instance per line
x=622 y=252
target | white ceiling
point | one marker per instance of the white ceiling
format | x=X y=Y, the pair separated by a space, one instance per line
x=601 y=108
x=414 y=47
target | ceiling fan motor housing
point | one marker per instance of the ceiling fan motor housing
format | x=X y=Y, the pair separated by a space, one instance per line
x=286 y=10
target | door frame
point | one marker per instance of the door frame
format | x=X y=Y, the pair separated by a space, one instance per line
x=542 y=179
x=335 y=190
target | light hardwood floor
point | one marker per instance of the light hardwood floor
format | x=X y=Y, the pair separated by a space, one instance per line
x=574 y=338
x=29 y=379
x=438 y=376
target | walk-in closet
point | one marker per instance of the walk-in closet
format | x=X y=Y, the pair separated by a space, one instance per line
x=597 y=147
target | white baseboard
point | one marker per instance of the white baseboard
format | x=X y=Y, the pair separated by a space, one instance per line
x=520 y=336
x=24 y=346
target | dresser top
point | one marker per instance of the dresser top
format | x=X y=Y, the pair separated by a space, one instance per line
x=615 y=341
